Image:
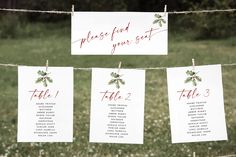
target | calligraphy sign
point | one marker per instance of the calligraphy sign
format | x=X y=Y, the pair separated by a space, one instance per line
x=119 y=33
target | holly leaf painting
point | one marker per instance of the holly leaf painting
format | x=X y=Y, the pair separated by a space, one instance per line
x=116 y=80
x=192 y=77
x=159 y=20
x=43 y=78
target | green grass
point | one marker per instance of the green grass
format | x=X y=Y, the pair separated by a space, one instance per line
x=54 y=44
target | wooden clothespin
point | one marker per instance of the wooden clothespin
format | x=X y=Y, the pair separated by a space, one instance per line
x=193 y=64
x=165 y=10
x=46 y=65
x=72 y=10
x=119 y=67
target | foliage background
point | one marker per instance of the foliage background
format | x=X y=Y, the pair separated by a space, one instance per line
x=204 y=25
x=30 y=39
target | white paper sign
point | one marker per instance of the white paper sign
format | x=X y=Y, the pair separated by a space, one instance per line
x=119 y=33
x=117 y=106
x=45 y=104
x=196 y=104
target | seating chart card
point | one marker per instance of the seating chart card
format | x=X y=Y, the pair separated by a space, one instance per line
x=117 y=106
x=196 y=104
x=45 y=104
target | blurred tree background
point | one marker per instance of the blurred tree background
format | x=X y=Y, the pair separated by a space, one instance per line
x=198 y=26
x=32 y=38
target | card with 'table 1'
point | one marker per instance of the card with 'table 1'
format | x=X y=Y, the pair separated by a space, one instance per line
x=45 y=104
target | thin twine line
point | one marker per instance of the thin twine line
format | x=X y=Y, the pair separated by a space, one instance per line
x=36 y=11
x=89 y=69
x=70 y=12
x=233 y=155
x=202 y=11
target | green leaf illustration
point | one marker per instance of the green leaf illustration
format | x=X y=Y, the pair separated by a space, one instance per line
x=194 y=82
x=115 y=75
x=191 y=73
x=192 y=77
x=155 y=21
x=122 y=81
x=157 y=16
x=188 y=80
x=117 y=85
x=198 y=78
x=42 y=73
x=159 y=20
x=112 y=81
x=45 y=83
x=116 y=79
x=43 y=78
x=163 y=21
x=49 y=79
x=40 y=79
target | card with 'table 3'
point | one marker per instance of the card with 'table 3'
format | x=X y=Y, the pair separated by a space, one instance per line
x=196 y=104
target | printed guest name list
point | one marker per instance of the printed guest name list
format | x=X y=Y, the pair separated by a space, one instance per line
x=45 y=104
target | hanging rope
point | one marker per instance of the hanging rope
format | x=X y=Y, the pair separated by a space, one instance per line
x=70 y=12
x=89 y=69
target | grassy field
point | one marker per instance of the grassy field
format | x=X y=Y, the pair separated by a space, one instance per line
x=54 y=44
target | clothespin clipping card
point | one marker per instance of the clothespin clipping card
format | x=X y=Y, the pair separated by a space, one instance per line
x=119 y=67
x=46 y=65
x=193 y=64
x=165 y=10
x=72 y=10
